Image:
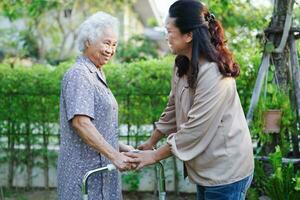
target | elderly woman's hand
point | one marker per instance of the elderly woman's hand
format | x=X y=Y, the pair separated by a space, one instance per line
x=123 y=162
x=142 y=158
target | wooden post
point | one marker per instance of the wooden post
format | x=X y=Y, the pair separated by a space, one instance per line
x=45 y=132
x=1 y=194
x=175 y=174
x=11 y=154
x=10 y=145
x=295 y=73
x=258 y=84
x=29 y=160
x=128 y=118
x=136 y=138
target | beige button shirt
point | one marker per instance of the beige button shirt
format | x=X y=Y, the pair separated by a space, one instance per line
x=207 y=128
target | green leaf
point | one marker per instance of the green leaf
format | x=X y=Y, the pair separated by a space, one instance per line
x=269 y=47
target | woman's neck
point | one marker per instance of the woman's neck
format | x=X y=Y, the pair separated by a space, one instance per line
x=188 y=53
x=92 y=60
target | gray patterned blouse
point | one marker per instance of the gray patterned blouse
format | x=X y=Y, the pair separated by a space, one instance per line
x=84 y=92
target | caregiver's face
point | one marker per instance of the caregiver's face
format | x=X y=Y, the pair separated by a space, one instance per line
x=178 y=43
x=103 y=49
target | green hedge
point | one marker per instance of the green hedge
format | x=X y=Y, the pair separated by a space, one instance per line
x=29 y=103
x=29 y=107
x=27 y=94
x=141 y=89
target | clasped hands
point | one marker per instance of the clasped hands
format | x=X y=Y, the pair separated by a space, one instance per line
x=132 y=159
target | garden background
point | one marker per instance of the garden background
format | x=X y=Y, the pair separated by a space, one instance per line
x=38 y=46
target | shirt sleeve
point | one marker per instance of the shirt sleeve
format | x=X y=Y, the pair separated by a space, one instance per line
x=167 y=121
x=211 y=95
x=79 y=95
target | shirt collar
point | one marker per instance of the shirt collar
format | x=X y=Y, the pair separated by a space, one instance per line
x=92 y=68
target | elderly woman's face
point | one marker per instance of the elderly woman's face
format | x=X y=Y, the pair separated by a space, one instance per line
x=102 y=50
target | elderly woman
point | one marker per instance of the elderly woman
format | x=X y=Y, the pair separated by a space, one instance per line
x=89 y=116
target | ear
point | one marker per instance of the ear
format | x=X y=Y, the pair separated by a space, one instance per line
x=188 y=37
x=87 y=43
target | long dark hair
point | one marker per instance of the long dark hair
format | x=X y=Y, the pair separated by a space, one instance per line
x=208 y=40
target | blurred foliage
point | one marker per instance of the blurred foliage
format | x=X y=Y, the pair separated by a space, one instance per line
x=32 y=12
x=138 y=47
x=273 y=97
x=131 y=179
x=252 y=194
x=46 y=30
x=15 y=9
x=282 y=183
x=152 y=22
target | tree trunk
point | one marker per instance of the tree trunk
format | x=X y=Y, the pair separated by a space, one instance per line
x=40 y=40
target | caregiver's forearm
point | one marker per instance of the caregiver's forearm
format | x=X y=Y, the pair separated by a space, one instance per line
x=90 y=135
x=156 y=136
x=162 y=152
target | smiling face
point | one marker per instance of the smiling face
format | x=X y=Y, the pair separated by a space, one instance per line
x=102 y=50
x=179 y=44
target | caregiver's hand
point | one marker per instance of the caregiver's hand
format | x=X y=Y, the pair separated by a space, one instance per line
x=142 y=158
x=152 y=141
x=125 y=147
x=148 y=145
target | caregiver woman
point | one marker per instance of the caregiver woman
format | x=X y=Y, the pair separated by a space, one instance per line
x=204 y=120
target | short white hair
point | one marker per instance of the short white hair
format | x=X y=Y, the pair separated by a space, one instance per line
x=94 y=26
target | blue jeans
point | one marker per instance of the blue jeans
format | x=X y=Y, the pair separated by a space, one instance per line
x=232 y=191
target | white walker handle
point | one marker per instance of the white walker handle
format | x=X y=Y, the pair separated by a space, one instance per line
x=85 y=197
x=109 y=167
x=162 y=195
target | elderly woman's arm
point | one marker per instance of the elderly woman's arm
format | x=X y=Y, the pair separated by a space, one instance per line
x=90 y=135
